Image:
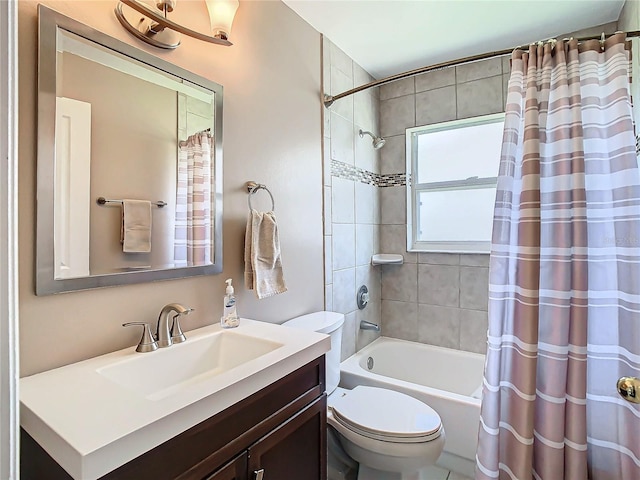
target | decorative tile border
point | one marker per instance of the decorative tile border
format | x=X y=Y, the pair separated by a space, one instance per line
x=357 y=174
x=392 y=180
x=351 y=172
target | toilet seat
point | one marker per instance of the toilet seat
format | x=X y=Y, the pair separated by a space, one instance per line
x=385 y=415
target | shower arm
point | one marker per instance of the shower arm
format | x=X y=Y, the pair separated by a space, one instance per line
x=378 y=142
x=362 y=133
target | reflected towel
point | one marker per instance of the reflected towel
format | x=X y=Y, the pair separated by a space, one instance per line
x=135 y=234
x=262 y=259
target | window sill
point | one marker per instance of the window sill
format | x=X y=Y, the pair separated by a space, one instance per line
x=451 y=247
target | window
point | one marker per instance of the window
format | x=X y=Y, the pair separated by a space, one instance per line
x=451 y=190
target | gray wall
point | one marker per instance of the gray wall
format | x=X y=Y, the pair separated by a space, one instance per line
x=272 y=134
x=430 y=295
x=352 y=207
x=435 y=298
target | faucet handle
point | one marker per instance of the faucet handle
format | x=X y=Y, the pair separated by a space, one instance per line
x=176 y=332
x=147 y=342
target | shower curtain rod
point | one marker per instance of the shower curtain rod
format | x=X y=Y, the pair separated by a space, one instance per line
x=329 y=99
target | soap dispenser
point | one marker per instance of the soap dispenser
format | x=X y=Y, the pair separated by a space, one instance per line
x=230 y=317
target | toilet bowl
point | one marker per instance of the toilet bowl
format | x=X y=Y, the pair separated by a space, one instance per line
x=391 y=435
x=386 y=430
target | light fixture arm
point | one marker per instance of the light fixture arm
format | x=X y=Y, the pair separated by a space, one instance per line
x=165 y=22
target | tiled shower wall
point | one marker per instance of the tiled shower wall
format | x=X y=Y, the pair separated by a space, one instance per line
x=351 y=199
x=435 y=298
x=430 y=296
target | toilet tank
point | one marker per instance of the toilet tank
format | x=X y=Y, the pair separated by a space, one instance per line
x=331 y=324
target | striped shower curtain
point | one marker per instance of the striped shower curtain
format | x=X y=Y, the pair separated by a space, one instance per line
x=564 y=307
x=193 y=218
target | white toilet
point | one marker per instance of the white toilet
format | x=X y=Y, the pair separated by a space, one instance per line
x=391 y=435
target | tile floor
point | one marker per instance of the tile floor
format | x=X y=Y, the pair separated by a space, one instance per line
x=438 y=473
x=457 y=476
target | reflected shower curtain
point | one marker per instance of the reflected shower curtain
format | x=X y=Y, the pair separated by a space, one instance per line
x=193 y=227
x=564 y=293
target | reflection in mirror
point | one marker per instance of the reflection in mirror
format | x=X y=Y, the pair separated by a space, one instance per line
x=143 y=136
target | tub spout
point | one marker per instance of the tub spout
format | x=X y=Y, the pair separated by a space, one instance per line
x=364 y=325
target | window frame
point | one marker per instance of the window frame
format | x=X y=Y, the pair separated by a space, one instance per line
x=414 y=189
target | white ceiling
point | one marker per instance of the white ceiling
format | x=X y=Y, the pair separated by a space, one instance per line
x=386 y=37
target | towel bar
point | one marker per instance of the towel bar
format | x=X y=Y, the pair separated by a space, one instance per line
x=102 y=201
x=253 y=187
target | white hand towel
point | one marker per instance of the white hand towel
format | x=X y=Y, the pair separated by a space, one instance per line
x=135 y=234
x=262 y=258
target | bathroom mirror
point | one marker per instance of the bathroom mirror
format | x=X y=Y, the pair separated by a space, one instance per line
x=129 y=175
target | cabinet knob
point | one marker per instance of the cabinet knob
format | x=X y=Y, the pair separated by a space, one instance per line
x=258 y=474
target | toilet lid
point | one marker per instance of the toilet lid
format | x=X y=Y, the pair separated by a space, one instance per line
x=321 y=322
x=386 y=414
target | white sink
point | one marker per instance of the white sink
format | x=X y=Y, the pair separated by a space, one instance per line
x=157 y=375
x=95 y=415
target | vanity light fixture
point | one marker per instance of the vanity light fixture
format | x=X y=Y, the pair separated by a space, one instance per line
x=155 y=28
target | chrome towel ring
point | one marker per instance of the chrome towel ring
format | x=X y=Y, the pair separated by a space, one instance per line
x=253 y=187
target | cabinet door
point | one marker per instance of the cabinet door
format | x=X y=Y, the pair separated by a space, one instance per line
x=297 y=449
x=236 y=469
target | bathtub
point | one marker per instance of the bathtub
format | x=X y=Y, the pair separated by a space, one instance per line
x=449 y=381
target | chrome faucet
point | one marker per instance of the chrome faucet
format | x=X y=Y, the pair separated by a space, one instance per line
x=165 y=335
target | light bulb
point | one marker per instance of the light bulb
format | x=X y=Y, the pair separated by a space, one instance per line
x=221 y=13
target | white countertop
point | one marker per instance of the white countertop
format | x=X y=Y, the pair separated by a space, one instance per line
x=91 y=425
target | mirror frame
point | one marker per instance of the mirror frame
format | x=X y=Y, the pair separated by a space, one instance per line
x=49 y=21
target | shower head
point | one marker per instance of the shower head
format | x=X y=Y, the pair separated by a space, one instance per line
x=378 y=142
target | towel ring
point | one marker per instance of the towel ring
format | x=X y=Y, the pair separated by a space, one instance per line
x=253 y=187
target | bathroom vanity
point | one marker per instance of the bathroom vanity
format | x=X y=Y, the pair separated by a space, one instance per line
x=263 y=416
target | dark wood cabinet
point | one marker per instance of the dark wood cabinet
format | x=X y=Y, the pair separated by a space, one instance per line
x=236 y=469
x=280 y=429
x=295 y=449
